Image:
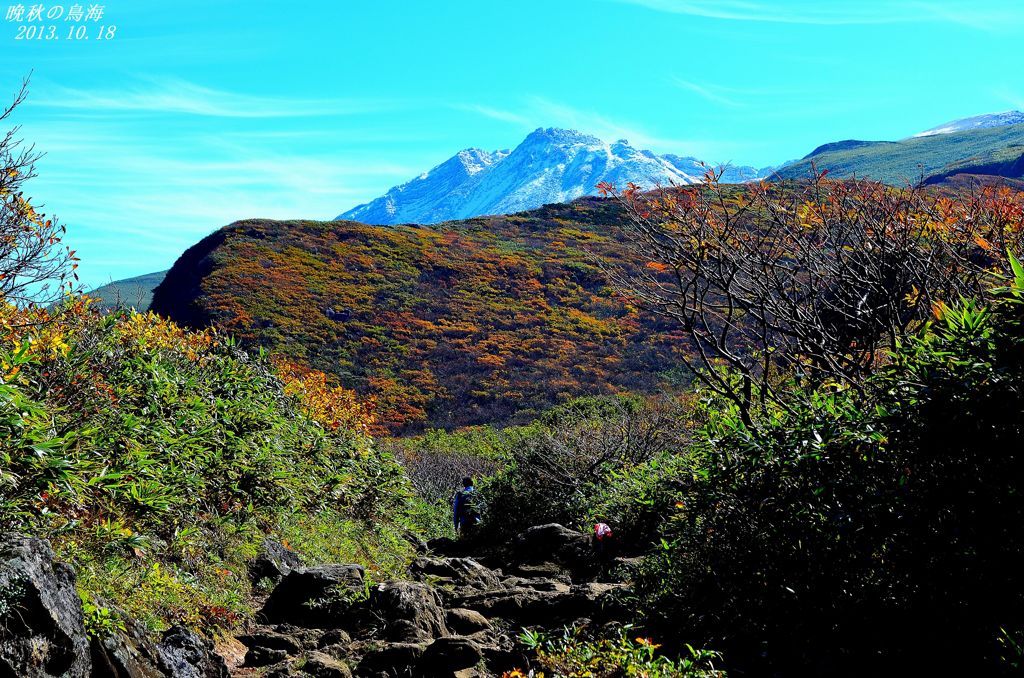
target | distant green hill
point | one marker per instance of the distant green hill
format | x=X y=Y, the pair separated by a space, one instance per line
x=994 y=151
x=134 y=292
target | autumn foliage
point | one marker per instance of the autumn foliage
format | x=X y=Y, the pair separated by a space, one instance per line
x=35 y=266
x=489 y=320
x=333 y=407
x=820 y=276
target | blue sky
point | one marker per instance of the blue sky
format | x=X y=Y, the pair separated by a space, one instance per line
x=198 y=113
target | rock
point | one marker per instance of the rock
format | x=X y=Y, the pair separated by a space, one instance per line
x=231 y=650
x=447 y=655
x=308 y=639
x=547 y=570
x=272 y=639
x=602 y=601
x=269 y=647
x=321 y=666
x=499 y=660
x=466 y=622
x=523 y=606
x=42 y=629
x=411 y=610
x=185 y=654
x=555 y=585
x=597 y=590
x=274 y=561
x=557 y=545
x=125 y=654
x=417 y=542
x=391 y=659
x=333 y=637
x=550 y=538
x=442 y=545
x=314 y=597
x=264 y=656
x=459 y=571
x=281 y=670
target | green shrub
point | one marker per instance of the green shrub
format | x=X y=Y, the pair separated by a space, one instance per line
x=437 y=461
x=886 y=523
x=576 y=654
x=571 y=461
x=157 y=460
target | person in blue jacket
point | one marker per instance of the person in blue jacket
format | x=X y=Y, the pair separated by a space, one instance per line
x=465 y=512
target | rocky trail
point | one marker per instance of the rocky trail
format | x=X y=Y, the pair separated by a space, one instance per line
x=457 y=615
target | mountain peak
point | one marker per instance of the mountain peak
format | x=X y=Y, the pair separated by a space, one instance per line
x=550 y=165
x=558 y=135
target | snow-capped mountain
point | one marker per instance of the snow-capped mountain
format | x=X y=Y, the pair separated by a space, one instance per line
x=976 y=122
x=550 y=165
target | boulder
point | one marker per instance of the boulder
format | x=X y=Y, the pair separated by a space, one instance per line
x=269 y=647
x=314 y=597
x=391 y=659
x=127 y=653
x=186 y=654
x=334 y=637
x=554 y=585
x=545 y=546
x=466 y=622
x=320 y=665
x=274 y=561
x=458 y=571
x=445 y=656
x=42 y=628
x=602 y=601
x=540 y=542
x=522 y=606
x=411 y=611
x=547 y=604
x=442 y=545
x=264 y=656
x=545 y=569
x=272 y=639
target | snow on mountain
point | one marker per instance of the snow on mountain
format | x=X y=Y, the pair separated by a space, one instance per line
x=550 y=165
x=976 y=122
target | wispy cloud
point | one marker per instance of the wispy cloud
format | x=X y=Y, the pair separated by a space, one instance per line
x=709 y=92
x=558 y=114
x=1011 y=96
x=961 y=12
x=176 y=96
x=495 y=114
x=538 y=111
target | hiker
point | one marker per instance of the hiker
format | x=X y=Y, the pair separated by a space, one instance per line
x=602 y=539
x=465 y=512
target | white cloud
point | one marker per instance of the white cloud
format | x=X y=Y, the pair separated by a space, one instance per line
x=708 y=92
x=1011 y=96
x=176 y=96
x=495 y=114
x=961 y=12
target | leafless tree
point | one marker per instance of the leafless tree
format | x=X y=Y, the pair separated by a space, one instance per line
x=816 y=277
x=35 y=266
x=582 y=445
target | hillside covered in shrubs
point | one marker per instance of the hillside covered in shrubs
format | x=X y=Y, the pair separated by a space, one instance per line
x=489 y=320
x=157 y=461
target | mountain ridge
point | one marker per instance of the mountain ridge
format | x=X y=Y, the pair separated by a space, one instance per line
x=993 y=151
x=983 y=121
x=490 y=319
